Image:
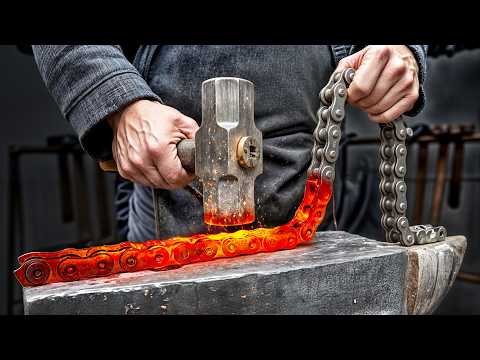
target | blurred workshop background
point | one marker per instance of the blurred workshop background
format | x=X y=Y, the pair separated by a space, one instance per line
x=53 y=196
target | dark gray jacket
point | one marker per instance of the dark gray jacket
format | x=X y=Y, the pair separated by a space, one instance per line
x=90 y=82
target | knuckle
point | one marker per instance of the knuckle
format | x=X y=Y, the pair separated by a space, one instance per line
x=398 y=68
x=409 y=80
x=409 y=83
x=176 y=115
x=155 y=150
x=173 y=113
x=359 y=90
x=383 y=52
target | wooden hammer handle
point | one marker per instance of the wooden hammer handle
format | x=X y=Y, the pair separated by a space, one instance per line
x=185 y=150
x=108 y=166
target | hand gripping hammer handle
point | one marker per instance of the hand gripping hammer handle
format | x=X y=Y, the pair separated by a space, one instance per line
x=185 y=151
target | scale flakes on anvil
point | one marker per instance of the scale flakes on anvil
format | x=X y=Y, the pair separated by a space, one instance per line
x=39 y=268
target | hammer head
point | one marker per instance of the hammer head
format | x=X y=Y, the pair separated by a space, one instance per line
x=228 y=151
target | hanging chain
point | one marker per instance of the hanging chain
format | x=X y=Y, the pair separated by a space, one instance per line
x=392 y=169
x=393 y=189
x=328 y=132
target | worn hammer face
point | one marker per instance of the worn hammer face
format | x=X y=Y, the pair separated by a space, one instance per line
x=228 y=149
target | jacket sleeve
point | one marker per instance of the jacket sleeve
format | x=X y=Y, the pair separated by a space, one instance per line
x=420 y=53
x=88 y=83
x=449 y=50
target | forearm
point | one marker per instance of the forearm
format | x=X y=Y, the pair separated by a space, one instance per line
x=89 y=83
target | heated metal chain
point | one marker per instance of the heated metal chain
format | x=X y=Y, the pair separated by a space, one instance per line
x=392 y=170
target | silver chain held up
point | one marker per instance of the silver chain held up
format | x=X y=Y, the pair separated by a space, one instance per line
x=328 y=132
x=392 y=170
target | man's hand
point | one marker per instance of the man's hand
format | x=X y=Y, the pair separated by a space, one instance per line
x=145 y=137
x=386 y=81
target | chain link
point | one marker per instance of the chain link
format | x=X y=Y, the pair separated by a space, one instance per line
x=328 y=132
x=392 y=169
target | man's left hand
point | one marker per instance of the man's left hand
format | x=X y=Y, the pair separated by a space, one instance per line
x=386 y=81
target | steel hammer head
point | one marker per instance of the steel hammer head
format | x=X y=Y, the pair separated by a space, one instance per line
x=228 y=151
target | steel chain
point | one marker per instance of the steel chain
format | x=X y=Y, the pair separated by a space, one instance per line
x=328 y=132
x=392 y=169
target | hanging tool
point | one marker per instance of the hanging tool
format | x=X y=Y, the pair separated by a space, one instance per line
x=458 y=132
x=442 y=132
x=421 y=174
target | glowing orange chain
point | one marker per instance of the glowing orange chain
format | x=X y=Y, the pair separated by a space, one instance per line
x=39 y=268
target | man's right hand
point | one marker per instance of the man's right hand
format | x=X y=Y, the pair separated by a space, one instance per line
x=145 y=138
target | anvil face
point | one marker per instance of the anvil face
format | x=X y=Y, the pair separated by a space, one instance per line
x=229 y=152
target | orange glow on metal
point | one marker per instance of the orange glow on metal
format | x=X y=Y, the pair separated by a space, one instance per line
x=39 y=268
x=214 y=219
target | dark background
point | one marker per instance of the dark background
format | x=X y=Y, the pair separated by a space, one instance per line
x=29 y=116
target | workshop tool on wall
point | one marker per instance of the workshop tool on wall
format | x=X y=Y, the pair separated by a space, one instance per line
x=445 y=134
x=63 y=147
x=38 y=268
x=457 y=167
x=421 y=180
x=458 y=132
x=64 y=175
x=226 y=154
x=442 y=134
x=66 y=145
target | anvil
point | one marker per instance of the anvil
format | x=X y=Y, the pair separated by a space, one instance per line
x=338 y=273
